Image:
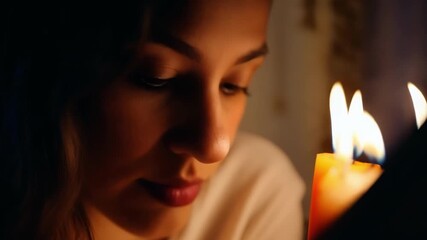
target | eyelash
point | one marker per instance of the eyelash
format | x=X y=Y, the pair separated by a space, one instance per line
x=150 y=83
x=153 y=83
x=232 y=89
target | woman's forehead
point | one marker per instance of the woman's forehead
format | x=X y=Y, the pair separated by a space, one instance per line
x=202 y=17
x=185 y=11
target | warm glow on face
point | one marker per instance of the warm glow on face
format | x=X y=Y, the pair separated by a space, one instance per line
x=420 y=104
x=355 y=128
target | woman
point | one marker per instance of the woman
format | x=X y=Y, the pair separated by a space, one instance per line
x=118 y=119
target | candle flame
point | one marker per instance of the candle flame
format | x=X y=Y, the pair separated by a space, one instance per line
x=420 y=104
x=354 y=130
x=341 y=135
x=370 y=133
x=355 y=113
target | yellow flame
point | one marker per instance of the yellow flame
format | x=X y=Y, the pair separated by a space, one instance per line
x=353 y=128
x=373 y=143
x=341 y=135
x=420 y=104
x=355 y=113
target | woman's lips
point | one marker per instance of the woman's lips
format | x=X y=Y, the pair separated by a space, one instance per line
x=175 y=195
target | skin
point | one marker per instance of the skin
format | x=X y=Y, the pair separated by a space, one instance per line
x=176 y=123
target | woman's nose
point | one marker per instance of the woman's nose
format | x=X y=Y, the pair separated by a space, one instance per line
x=201 y=132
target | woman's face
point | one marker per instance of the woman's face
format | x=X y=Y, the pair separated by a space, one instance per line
x=157 y=133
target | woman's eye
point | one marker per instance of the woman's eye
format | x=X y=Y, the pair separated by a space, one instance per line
x=151 y=83
x=232 y=89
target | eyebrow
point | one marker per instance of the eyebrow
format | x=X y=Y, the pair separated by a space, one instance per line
x=177 y=45
x=192 y=53
x=259 y=52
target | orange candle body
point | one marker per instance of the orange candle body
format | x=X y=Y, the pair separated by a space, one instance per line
x=336 y=187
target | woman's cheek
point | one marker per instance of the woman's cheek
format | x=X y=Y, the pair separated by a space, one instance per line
x=129 y=123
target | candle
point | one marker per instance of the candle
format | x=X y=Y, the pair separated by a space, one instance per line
x=336 y=188
x=338 y=180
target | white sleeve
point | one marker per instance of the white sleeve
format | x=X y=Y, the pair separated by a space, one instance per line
x=256 y=194
x=278 y=213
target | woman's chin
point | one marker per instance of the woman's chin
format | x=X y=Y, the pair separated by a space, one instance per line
x=134 y=223
x=168 y=223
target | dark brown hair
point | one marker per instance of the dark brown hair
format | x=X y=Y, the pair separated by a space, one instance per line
x=52 y=56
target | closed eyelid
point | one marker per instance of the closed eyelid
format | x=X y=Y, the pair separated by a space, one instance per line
x=164 y=72
x=156 y=69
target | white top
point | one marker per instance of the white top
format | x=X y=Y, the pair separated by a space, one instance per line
x=256 y=194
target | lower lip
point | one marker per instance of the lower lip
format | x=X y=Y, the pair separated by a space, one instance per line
x=174 y=196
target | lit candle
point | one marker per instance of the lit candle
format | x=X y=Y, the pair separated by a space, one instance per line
x=420 y=104
x=338 y=180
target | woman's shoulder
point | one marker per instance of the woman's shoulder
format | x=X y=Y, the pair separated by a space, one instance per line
x=258 y=156
x=247 y=144
x=255 y=191
x=257 y=167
